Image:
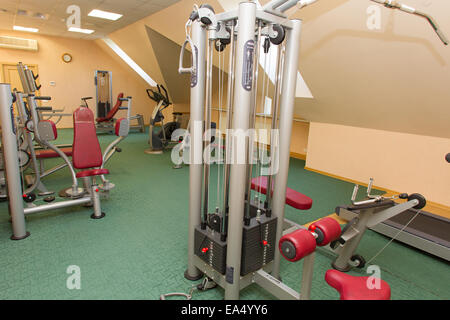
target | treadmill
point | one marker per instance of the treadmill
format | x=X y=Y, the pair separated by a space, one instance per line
x=427 y=232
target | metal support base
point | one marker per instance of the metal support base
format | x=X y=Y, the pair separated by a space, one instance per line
x=195 y=278
x=20 y=238
x=93 y=216
x=67 y=193
x=150 y=151
x=344 y=269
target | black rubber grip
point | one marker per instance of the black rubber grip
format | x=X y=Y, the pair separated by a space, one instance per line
x=43 y=98
x=44 y=108
x=86 y=98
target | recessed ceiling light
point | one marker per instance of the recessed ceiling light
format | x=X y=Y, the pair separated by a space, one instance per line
x=19 y=28
x=87 y=31
x=40 y=16
x=105 y=15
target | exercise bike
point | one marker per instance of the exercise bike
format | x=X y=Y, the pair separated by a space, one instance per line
x=161 y=139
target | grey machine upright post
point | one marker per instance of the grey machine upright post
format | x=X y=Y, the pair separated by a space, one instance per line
x=9 y=144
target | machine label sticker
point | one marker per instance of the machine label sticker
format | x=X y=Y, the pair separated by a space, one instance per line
x=229 y=275
x=247 y=67
x=194 y=78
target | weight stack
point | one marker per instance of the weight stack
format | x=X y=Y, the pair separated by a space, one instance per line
x=258 y=246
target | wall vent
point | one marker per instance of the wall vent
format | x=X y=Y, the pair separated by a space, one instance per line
x=18 y=43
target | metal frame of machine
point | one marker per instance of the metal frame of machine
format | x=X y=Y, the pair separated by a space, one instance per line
x=227 y=247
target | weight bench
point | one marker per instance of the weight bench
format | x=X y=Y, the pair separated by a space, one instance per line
x=87 y=155
x=294 y=198
x=108 y=123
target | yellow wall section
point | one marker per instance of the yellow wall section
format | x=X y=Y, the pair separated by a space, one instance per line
x=300 y=132
x=76 y=79
x=397 y=161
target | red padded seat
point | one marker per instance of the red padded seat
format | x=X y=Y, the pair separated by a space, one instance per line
x=293 y=198
x=110 y=115
x=48 y=153
x=355 y=288
x=91 y=173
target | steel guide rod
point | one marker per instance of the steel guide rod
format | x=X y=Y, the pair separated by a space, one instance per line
x=274 y=125
x=226 y=189
x=206 y=162
x=252 y=124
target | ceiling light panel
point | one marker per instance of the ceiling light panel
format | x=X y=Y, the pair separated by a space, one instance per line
x=105 y=15
x=79 y=30
x=19 y=28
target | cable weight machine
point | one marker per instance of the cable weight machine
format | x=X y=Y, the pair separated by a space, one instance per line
x=233 y=243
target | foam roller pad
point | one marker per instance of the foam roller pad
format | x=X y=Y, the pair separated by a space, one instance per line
x=297 y=245
x=330 y=228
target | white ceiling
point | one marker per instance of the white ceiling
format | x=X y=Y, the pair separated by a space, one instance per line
x=55 y=12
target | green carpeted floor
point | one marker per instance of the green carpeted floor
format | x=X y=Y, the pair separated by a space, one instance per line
x=139 y=250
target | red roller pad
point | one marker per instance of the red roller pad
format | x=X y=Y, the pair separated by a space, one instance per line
x=303 y=241
x=356 y=288
x=294 y=198
x=86 y=149
x=330 y=228
x=110 y=115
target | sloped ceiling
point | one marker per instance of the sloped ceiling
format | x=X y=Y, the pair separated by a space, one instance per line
x=167 y=54
x=396 y=78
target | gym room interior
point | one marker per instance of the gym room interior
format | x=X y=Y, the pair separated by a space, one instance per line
x=354 y=101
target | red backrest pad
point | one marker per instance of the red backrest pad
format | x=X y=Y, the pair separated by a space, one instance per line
x=113 y=111
x=86 y=148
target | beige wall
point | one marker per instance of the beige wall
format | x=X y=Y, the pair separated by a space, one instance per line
x=76 y=79
x=397 y=161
